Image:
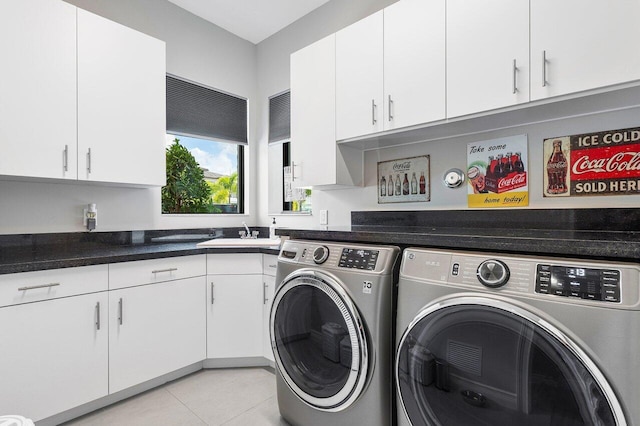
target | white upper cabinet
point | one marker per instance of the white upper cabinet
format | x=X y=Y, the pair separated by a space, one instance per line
x=585 y=45
x=414 y=63
x=121 y=103
x=487 y=54
x=359 y=78
x=317 y=160
x=38 y=89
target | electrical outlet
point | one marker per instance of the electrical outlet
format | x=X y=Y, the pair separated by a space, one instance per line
x=324 y=217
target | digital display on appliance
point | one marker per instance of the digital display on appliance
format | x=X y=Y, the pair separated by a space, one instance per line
x=585 y=283
x=358 y=259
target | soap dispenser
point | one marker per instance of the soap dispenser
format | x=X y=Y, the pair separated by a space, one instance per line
x=272 y=230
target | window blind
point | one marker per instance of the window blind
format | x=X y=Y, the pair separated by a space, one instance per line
x=280 y=117
x=194 y=110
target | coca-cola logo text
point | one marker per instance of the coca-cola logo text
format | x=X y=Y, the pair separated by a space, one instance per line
x=558 y=165
x=512 y=181
x=400 y=167
x=619 y=162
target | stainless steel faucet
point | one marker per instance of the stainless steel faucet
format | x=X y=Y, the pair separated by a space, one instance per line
x=248 y=233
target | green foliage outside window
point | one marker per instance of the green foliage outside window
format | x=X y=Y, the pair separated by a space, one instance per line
x=186 y=190
x=224 y=189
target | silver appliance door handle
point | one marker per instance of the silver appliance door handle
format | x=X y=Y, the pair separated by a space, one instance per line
x=544 y=68
x=373 y=112
x=120 y=311
x=157 y=271
x=65 y=158
x=213 y=299
x=33 y=287
x=89 y=160
x=98 y=316
x=390 y=108
x=515 y=77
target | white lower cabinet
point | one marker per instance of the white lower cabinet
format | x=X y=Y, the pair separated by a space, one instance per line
x=234 y=305
x=269 y=283
x=234 y=316
x=155 y=329
x=53 y=355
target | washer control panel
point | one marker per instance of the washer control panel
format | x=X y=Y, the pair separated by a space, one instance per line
x=579 y=281
x=356 y=258
x=374 y=259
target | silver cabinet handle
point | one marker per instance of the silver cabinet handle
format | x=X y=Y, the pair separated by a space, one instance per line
x=120 y=311
x=544 y=68
x=89 y=161
x=33 y=287
x=65 y=158
x=515 y=77
x=293 y=171
x=264 y=293
x=213 y=299
x=373 y=112
x=157 y=271
x=390 y=107
x=98 y=316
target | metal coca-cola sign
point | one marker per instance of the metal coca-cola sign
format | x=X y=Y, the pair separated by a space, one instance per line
x=601 y=163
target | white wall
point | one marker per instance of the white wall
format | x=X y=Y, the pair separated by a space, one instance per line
x=273 y=77
x=196 y=50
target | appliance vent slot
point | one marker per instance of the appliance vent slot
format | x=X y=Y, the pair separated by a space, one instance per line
x=465 y=357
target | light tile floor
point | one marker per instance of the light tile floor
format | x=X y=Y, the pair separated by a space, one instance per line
x=230 y=397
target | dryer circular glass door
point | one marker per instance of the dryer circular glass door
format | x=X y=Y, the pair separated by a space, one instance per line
x=318 y=340
x=484 y=361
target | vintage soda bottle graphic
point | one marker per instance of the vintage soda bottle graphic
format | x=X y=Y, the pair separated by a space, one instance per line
x=414 y=183
x=398 y=185
x=557 y=170
x=405 y=185
x=383 y=187
x=423 y=184
x=390 y=186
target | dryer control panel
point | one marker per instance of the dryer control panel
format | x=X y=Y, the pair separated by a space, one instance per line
x=579 y=281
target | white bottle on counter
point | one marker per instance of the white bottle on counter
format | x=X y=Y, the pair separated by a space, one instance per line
x=272 y=230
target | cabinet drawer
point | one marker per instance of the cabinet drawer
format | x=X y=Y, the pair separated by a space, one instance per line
x=234 y=263
x=35 y=286
x=128 y=274
x=269 y=264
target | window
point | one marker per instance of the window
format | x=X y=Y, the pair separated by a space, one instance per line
x=206 y=135
x=291 y=199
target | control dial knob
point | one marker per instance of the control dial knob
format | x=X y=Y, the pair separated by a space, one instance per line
x=493 y=273
x=320 y=254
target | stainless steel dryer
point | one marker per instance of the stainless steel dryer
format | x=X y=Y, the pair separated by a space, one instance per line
x=331 y=333
x=489 y=339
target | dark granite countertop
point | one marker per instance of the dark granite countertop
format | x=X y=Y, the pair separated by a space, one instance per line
x=24 y=254
x=603 y=234
x=618 y=246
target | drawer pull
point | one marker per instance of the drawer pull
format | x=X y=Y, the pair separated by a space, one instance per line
x=213 y=299
x=33 y=287
x=264 y=293
x=120 y=311
x=157 y=271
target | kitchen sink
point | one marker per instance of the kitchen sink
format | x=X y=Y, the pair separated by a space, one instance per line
x=241 y=242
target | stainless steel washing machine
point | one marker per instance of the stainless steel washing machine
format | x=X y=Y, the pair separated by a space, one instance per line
x=490 y=339
x=331 y=333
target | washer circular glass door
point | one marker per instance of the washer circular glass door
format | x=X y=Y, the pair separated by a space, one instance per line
x=478 y=360
x=318 y=340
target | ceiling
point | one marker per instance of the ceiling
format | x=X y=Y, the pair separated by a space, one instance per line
x=253 y=20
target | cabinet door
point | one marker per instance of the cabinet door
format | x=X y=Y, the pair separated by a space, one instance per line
x=54 y=355
x=234 y=316
x=269 y=284
x=155 y=329
x=359 y=68
x=586 y=45
x=38 y=89
x=313 y=118
x=414 y=63
x=121 y=103
x=487 y=55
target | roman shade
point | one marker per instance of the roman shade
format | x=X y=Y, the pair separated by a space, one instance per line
x=280 y=117
x=201 y=112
